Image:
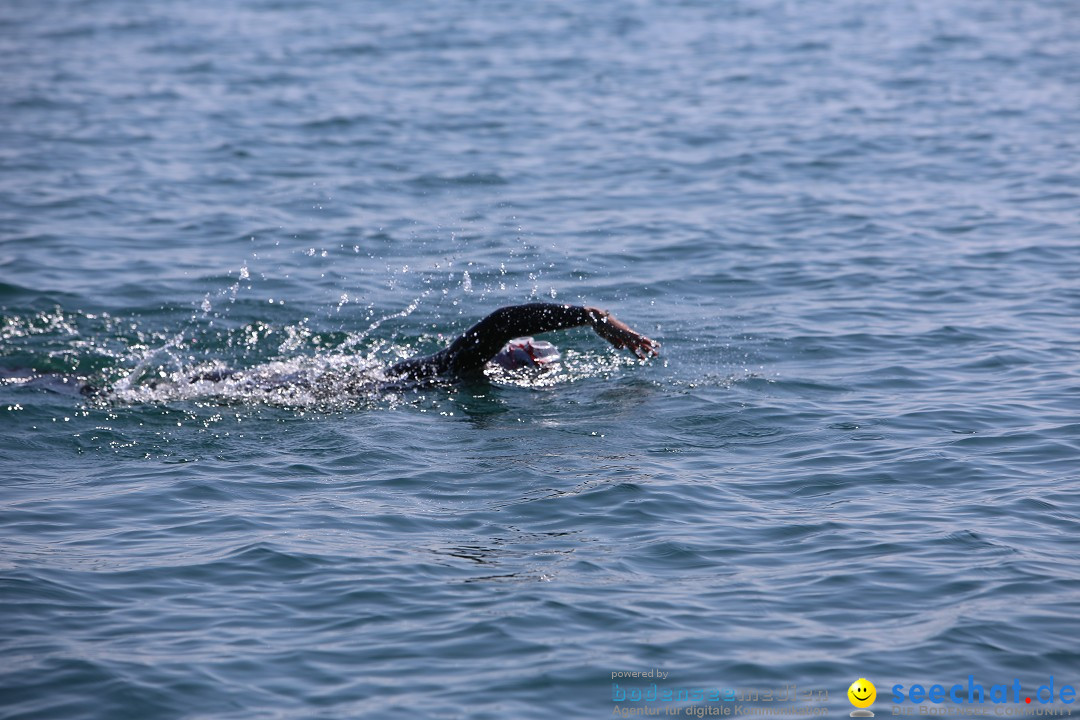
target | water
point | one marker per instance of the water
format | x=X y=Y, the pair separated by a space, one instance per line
x=852 y=226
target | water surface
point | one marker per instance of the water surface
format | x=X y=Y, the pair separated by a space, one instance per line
x=851 y=225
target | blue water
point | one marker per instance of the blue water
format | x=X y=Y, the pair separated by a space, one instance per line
x=852 y=226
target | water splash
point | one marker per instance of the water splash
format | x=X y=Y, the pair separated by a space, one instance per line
x=127 y=382
x=328 y=381
x=573 y=366
x=358 y=337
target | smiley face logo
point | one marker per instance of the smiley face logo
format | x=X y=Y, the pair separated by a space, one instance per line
x=862 y=693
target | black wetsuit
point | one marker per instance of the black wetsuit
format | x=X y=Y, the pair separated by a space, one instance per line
x=477 y=345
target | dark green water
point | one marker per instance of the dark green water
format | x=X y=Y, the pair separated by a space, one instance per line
x=853 y=227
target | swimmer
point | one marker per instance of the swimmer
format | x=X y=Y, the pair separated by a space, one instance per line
x=502 y=337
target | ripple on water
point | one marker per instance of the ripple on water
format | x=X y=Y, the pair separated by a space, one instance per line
x=852 y=231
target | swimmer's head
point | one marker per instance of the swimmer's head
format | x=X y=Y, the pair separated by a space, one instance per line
x=525 y=352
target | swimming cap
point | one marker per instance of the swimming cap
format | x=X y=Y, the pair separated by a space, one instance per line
x=526 y=352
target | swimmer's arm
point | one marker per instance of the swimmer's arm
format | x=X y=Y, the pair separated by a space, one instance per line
x=621 y=335
x=483 y=340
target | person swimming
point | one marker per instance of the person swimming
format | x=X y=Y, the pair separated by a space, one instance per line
x=504 y=337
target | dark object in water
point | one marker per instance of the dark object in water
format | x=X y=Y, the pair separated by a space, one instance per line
x=483 y=341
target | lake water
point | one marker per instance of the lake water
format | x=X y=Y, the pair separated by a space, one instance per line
x=853 y=226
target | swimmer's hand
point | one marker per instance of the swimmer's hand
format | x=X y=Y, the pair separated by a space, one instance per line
x=620 y=335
